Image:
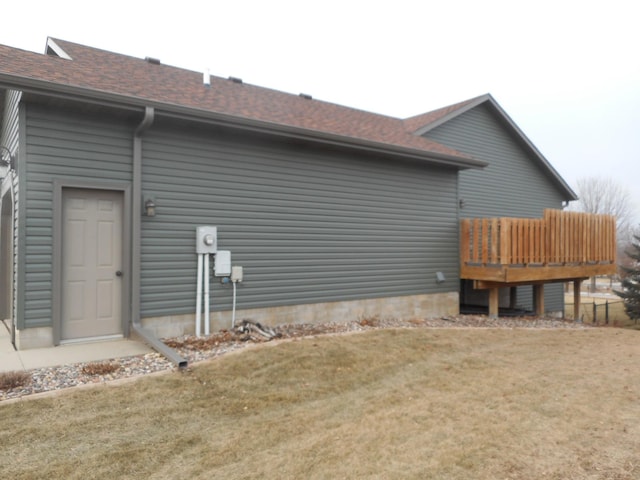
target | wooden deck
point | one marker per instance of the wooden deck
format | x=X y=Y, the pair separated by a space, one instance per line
x=561 y=247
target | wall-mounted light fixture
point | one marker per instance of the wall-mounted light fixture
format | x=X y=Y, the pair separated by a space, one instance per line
x=149 y=207
x=440 y=278
x=461 y=202
x=6 y=157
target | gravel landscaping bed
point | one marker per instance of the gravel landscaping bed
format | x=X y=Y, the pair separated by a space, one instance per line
x=196 y=349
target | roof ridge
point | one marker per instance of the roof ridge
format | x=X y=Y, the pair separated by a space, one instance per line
x=223 y=79
x=62 y=42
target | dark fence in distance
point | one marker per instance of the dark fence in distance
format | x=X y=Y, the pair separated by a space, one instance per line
x=607 y=312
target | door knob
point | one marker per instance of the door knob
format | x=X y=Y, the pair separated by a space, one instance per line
x=118 y=273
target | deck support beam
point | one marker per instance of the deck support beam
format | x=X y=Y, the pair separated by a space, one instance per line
x=538 y=298
x=494 y=302
x=577 y=285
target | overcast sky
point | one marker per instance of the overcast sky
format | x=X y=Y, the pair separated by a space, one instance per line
x=566 y=71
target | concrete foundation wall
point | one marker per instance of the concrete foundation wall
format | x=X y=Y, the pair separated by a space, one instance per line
x=413 y=306
x=39 y=337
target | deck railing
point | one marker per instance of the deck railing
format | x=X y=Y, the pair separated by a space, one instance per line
x=560 y=238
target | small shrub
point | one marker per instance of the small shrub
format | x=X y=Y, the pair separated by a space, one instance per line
x=201 y=343
x=369 y=321
x=417 y=321
x=100 y=368
x=16 y=379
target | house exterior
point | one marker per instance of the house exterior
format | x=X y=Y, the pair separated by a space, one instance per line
x=333 y=213
x=517 y=182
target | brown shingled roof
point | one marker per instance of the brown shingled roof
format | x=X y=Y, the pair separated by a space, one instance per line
x=417 y=123
x=94 y=70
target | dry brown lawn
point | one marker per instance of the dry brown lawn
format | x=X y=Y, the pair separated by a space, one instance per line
x=387 y=404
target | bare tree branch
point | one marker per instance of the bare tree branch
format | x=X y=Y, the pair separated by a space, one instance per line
x=605 y=196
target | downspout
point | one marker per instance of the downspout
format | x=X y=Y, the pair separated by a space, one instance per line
x=136 y=235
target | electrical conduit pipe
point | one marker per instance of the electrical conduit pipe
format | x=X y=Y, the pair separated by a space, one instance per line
x=233 y=313
x=206 y=294
x=199 y=295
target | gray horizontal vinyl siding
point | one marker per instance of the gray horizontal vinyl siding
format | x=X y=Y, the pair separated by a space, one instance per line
x=9 y=137
x=66 y=146
x=10 y=120
x=512 y=185
x=307 y=225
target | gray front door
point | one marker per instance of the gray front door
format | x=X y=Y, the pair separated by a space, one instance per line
x=91 y=263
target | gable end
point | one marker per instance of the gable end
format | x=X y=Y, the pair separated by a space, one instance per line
x=56 y=50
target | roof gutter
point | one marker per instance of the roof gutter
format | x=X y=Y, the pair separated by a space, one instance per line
x=44 y=87
x=177 y=111
x=136 y=215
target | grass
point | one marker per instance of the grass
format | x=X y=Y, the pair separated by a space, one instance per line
x=414 y=404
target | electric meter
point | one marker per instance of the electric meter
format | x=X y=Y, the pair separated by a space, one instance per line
x=206 y=240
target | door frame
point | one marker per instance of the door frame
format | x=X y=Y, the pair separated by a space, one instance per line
x=7 y=259
x=56 y=289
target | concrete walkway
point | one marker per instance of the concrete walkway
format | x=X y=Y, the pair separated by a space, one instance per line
x=11 y=360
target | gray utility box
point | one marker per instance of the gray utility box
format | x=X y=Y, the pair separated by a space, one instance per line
x=223 y=263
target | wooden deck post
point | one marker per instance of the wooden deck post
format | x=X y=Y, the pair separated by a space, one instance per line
x=494 y=302
x=577 y=285
x=538 y=298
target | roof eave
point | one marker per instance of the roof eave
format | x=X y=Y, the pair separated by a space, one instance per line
x=102 y=97
x=571 y=195
x=298 y=133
